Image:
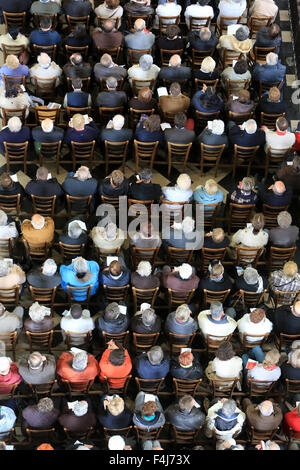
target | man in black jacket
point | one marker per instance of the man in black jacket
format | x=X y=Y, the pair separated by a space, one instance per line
x=277 y=195
x=113 y=413
x=113 y=320
x=143 y=189
x=45 y=277
x=250 y=281
x=213 y=134
x=112 y=97
x=80 y=184
x=175 y=72
x=246 y=134
x=217 y=280
x=145 y=322
x=76 y=68
x=74 y=233
x=286 y=319
x=178 y=134
x=44 y=186
x=46 y=133
x=78 y=8
x=115 y=131
x=171 y=40
x=40 y=416
x=14 y=6
x=202 y=40
x=186 y=366
x=269 y=36
x=8 y=187
x=186 y=414
x=114 y=186
x=216 y=239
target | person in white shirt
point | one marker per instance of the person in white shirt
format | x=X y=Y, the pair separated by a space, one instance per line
x=215 y=322
x=225 y=365
x=231 y=9
x=254 y=236
x=7 y=230
x=181 y=192
x=77 y=321
x=107 y=238
x=224 y=419
x=281 y=138
x=144 y=70
x=267 y=367
x=198 y=9
x=110 y=9
x=45 y=68
x=170 y=8
x=254 y=323
x=10 y=322
x=263 y=9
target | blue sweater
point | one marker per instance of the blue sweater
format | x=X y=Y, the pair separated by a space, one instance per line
x=145 y=370
x=68 y=277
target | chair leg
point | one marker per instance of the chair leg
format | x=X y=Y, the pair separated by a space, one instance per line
x=57 y=163
x=169 y=165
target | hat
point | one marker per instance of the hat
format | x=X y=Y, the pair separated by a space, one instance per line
x=4 y=363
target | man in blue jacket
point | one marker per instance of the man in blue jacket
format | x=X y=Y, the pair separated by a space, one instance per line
x=246 y=135
x=80 y=273
x=271 y=72
x=14 y=133
x=152 y=365
x=77 y=98
x=115 y=275
x=79 y=132
x=80 y=184
x=45 y=36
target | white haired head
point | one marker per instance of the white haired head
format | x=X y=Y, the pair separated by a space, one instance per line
x=14 y=124
x=79 y=408
x=74 y=230
x=49 y=267
x=146 y=62
x=80 y=265
x=118 y=121
x=208 y=64
x=250 y=126
x=83 y=173
x=116 y=443
x=37 y=221
x=217 y=127
x=44 y=60
x=182 y=313
x=185 y=271
x=38 y=312
x=144 y=268
x=175 y=60
x=271 y=58
x=47 y=125
x=184 y=181
x=111 y=231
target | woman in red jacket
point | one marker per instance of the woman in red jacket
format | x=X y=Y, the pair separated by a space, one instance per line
x=114 y=364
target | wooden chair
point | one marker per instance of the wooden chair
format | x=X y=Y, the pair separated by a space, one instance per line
x=210 y=212
x=258 y=388
x=292 y=386
x=11 y=203
x=83 y=153
x=264 y=86
x=144 y=254
x=173 y=210
x=224 y=387
x=82 y=294
x=70 y=251
x=257 y=340
x=186 y=387
x=143 y=434
x=134 y=55
x=135 y=116
x=43 y=205
x=210 y=254
x=239 y=118
x=202 y=118
x=229 y=56
x=130 y=19
x=10 y=80
x=233 y=87
x=177 y=256
x=198 y=56
x=269 y=120
x=49 y=150
x=137 y=207
x=11 y=393
x=40 y=435
x=260 y=53
x=11 y=50
x=82 y=205
x=212 y=343
x=184 y=437
x=114 y=201
x=213 y=296
x=256 y=23
x=164 y=21
x=120 y=338
x=239 y=215
x=279 y=256
x=85 y=83
x=37 y=252
x=149 y=385
x=143 y=342
x=9 y=339
x=225 y=21
x=117 y=385
x=71 y=111
x=83 y=50
x=249 y=299
x=113 y=52
x=106 y=114
x=14 y=20
x=180 y=341
x=210 y=156
x=81 y=388
x=72 y=21
x=248 y=256
x=79 y=435
x=195 y=22
x=103 y=87
x=37 y=17
x=143 y=295
x=109 y=432
x=102 y=19
x=116 y=294
x=43 y=296
x=6 y=247
x=42 y=113
x=178 y=297
x=270 y=214
x=198 y=83
x=83 y=340
x=144 y=152
x=178 y=154
x=284 y=297
x=8 y=113
x=7 y=436
x=243 y=157
x=45 y=87
x=16 y=154
x=274 y=158
x=166 y=54
x=115 y=153
x=50 y=50
x=40 y=340
x=137 y=84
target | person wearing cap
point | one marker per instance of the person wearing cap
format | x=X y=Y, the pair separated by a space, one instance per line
x=77 y=416
x=9 y=375
x=285 y=235
x=142 y=277
x=213 y=134
x=80 y=273
x=43 y=186
x=254 y=323
x=113 y=320
x=243 y=193
x=277 y=195
x=145 y=321
x=44 y=277
x=286 y=279
x=237 y=42
x=77 y=320
x=43 y=415
x=7 y=420
x=186 y=366
x=38 y=230
x=115 y=364
x=224 y=419
x=115 y=275
x=271 y=102
x=215 y=322
x=44 y=7
x=80 y=132
x=13 y=68
x=186 y=414
x=152 y=364
x=113 y=413
x=11 y=277
x=286 y=319
x=182 y=278
x=107 y=238
x=291 y=368
x=77 y=367
x=250 y=281
x=45 y=36
x=180 y=322
x=114 y=185
x=39 y=320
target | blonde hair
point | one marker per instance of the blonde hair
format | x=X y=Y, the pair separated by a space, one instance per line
x=295 y=358
x=216 y=271
x=116 y=406
x=218 y=235
x=211 y=186
x=78 y=121
x=290 y=269
x=208 y=64
x=184 y=181
x=271 y=358
x=12 y=61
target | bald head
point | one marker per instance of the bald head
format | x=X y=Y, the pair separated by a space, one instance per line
x=279 y=187
x=44 y=60
x=108 y=26
x=266 y=408
x=47 y=125
x=37 y=221
x=139 y=25
x=175 y=61
x=296 y=309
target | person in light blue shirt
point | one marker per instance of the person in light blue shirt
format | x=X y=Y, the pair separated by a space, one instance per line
x=208 y=194
x=181 y=192
x=7 y=420
x=13 y=68
x=81 y=273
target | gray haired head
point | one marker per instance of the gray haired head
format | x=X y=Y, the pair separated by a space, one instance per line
x=111 y=82
x=80 y=265
x=247 y=184
x=242 y=33
x=80 y=408
x=112 y=311
x=266 y=408
x=284 y=219
x=146 y=174
x=74 y=230
x=146 y=62
x=148 y=317
x=155 y=355
x=250 y=275
x=228 y=408
x=216 y=309
x=49 y=267
x=80 y=361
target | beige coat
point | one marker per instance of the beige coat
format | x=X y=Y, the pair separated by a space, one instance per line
x=230 y=42
x=15 y=278
x=34 y=236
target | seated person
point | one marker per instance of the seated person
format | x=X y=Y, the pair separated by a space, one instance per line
x=142 y=277
x=149 y=130
x=38 y=230
x=113 y=413
x=149 y=417
x=80 y=184
x=115 y=130
x=77 y=416
x=288 y=173
x=224 y=419
x=46 y=133
x=8 y=187
x=11 y=321
x=180 y=279
x=175 y=102
x=145 y=322
x=143 y=189
x=180 y=133
x=36 y=368
x=114 y=185
x=216 y=239
x=207 y=69
x=183 y=235
x=181 y=192
x=77 y=98
x=40 y=320
x=8 y=419
x=14 y=38
x=237 y=42
x=277 y=195
x=77 y=320
x=113 y=320
x=250 y=281
x=145 y=69
x=171 y=40
x=80 y=273
x=226 y=365
x=115 y=364
x=254 y=236
x=202 y=39
x=74 y=233
x=292 y=420
x=186 y=366
x=286 y=319
x=76 y=68
x=109 y=9
x=78 y=37
x=185 y=415
x=246 y=135
x=243 y=193
x=271 y=102
x=115 y=275
x=291 y=369
x=215 y=322
x=9 y=375
x=238 y=71
x=265 y=417
x=267 y=365
x=43 y=186
x=269 y=36
x=241 y=104
x=271 y=72
x=217 y=280
x=8 y=230
x=13 y=68
x=285 y=235
x=45 y=277
x=14 y=133
x=198 y=9
x=80 y=132
x=143 y=101
x=208 y=194
x=107 y=36
x=286 y=279
x=79 y=367
x=45 y=36
x=43 y=415
x=107 y=238
x=175 y=72
x=45 y=68
x=11 y=276
x=213 y=134
x=207 y=100
x=146 y=237
x=14 y=98
x=140 y=38
x=181 y=322
x=113 y=97
x=280 y=138
x=152 y=364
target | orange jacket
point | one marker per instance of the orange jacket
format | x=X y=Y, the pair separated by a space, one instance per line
x=110 y=371
x=64 y=369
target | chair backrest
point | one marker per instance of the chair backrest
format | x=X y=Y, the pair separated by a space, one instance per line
x=135 y=116
x=70 y=251
x=85 y=83
x=248 y=255
x=8 y=389
x=178 y=154
x=9 y=339
x=50 y=50
x=260 y=53
x=6 y=247
x=16 y=153
x=144 y=254
x=143 y=295
x=11 y=50
x=43 y=205
x=75 y=339
x=120 y=337
x=81 y=293
x=269 y=120
x=183 y=436
x=115 y=152
x=279 y=256
x=43 y=296
x=145 y=152
x=166 y=54
x=256 y=340
x=239 y=118
x=38 y=252
x=40 y=435
x=8 y=113
x=114 y=201
x=213 y=342
x=117 y=385
x=258 y=436
x=285 y=297
x=265 y=86
x=239 y=215
x=45 y=87
x=81 y=435
x=256 y=23
x=71 y=111
x=292 y=386
x=225 y=21
x=229 y=56
x=164 y=21
x=198 y=56
x=137 y=84
x=186 y=387
x=210 y=296
x=143 y=342
x=178 y=297
x=50 y=149
x=72 y=21
x=83 y=50
x=10 y=203
x=40 y=340
x=180 y=341
x=134 y=55
x=102 y=19
x=198 y=83
x=210 y=212
x=271 y=213
x=211 y=153
x=37 y=18
x=10 y=80
x=245 y=153
x=177 y=256
x=143 y=434
x=260 y=387
x=130 y=19
x=149 y=385
x=116 y=294
x=16 y=20
x=109 y=432
x=277 y=155
x=42 y=113
x=210 y=254
x=251 y=299
x=202 y=118
x=224 y=387
x=196 y=22
x=78 y=204
x=106 y=114
x=235 y=86
x=114 y=52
